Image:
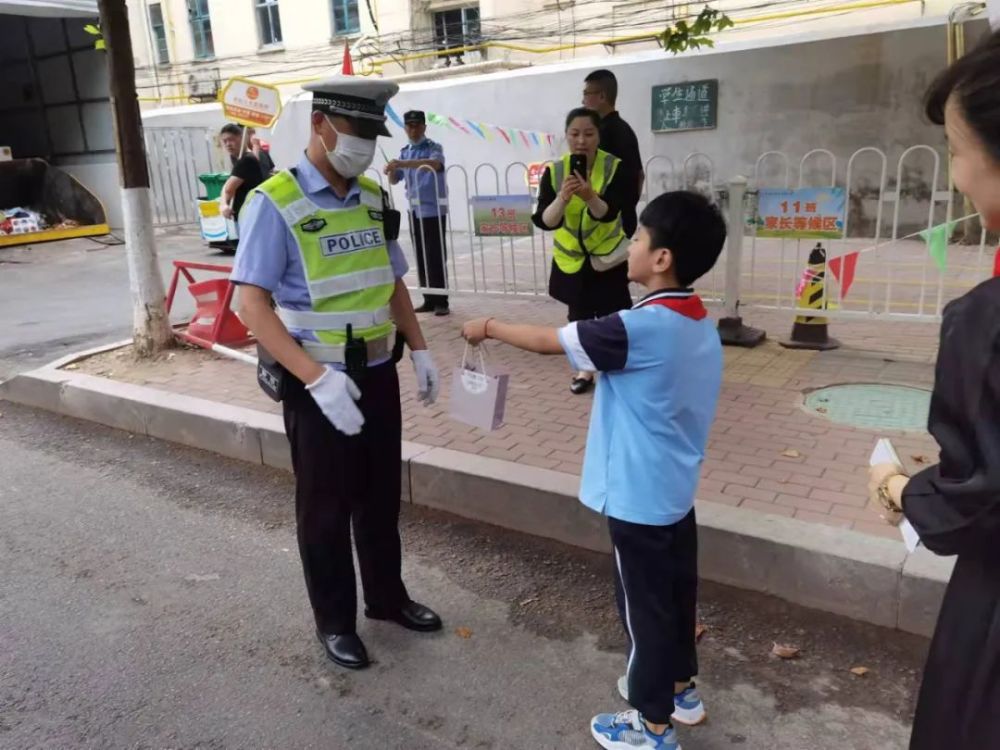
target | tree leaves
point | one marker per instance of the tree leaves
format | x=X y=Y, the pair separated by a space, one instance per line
x=683 y=36
x=95 y=30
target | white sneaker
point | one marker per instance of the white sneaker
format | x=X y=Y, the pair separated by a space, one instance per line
x=688 y=706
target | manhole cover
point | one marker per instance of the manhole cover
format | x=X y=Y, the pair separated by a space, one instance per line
x=874 y=406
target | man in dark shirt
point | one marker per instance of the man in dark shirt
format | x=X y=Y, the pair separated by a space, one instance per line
x=246 y=174
x=600 y=92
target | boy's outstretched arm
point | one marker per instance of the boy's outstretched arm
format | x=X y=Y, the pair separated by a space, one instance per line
x=537 y=339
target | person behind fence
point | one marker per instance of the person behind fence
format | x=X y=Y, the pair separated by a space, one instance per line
x=661 y=365
x=421 y=164
x=320 y=240
x=600 y=93
x=955 y=505
x=246 y=174
x=579 y=200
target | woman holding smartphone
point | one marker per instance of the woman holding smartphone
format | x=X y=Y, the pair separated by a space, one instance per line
x=579 y=200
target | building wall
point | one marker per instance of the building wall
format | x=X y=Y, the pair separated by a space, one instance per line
x=840 y=94
x=535 y=31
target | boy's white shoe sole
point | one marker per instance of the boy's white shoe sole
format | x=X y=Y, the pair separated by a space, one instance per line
x=611 y=744
x=687 y=717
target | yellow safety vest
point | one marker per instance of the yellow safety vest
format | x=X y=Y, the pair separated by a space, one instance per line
x=580 y=234
x=346 y=261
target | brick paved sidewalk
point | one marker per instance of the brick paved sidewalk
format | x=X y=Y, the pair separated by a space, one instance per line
x=760 y=418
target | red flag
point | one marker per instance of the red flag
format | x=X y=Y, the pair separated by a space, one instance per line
x=843 y=268
x=996 y=263
x=348 y=69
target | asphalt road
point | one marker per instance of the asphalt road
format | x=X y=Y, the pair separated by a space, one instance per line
x=60 y=297
x=151 y=597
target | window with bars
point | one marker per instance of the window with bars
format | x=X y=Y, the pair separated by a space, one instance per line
x=159 y=29
x=201 y=29
x=346 y=18
x=457 y=28
x=268 y=22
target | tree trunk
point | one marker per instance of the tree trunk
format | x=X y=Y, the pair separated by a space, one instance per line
x=150 y=325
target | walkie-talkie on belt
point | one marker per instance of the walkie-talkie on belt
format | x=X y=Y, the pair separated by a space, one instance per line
x=355 y=356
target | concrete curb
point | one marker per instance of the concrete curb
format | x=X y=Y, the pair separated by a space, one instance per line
x=836 y=570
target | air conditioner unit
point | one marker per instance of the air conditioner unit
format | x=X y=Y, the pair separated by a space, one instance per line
x=204 y=85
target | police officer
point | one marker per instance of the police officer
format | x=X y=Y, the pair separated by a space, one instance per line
x=321 y=287
x=421 y=163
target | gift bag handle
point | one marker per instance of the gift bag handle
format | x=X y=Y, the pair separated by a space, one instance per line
x=482 y=358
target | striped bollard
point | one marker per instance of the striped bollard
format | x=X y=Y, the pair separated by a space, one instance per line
x=810 y=331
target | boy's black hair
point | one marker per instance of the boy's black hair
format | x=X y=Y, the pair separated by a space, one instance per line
x=691 y=227
x=583 y=112
x=231 y=128
x=606 y=82
x=974 y=81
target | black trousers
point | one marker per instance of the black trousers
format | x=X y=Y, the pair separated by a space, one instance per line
x=432 y=256
x=657 y=591
x=343 y=482
x=602 y=293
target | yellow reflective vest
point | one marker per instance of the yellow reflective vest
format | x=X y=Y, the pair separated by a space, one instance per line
x=580 y=234
x=345 y=257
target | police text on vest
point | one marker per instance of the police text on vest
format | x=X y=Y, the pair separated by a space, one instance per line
x=351 y=242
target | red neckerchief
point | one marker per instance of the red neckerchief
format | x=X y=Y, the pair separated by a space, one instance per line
x=681 y=301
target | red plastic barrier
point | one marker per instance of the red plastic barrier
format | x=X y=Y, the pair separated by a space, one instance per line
x=213 y=322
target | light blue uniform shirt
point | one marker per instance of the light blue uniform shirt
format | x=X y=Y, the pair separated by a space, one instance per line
x=423 y=187
x=268 y=255
x=661 y=372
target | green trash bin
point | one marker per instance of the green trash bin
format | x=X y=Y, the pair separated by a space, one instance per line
x=213 y=182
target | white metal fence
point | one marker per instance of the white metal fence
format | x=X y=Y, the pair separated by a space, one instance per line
x=176 y=157
x=889 y=200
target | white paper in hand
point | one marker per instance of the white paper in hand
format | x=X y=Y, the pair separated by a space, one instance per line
x=885 y=453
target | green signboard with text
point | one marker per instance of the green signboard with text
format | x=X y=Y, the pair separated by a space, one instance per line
x=693 y=105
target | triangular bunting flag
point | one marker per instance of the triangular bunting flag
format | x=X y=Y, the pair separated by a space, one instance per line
x=843 y=268
x=391 y=114
x=937 y=243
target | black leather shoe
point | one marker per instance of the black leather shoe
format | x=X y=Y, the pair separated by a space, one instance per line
x=425 y=308
x=347 y=650
x=442 y=312
x=411 y=616
x=581 y=385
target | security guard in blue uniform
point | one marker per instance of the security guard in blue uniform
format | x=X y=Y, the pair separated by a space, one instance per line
x=321 y=274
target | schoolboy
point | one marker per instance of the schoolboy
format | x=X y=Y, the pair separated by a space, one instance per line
x=661 y=370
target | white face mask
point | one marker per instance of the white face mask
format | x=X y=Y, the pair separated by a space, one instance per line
x=352 y=155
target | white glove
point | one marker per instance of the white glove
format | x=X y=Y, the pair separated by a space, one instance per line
x=428 y=379
x=335 y=393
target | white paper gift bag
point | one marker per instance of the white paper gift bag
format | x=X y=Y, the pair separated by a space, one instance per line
x=478 y=397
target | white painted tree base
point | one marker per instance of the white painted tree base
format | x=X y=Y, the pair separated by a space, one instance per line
x=150 y=324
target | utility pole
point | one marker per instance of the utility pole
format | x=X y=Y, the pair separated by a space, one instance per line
x=150 y=325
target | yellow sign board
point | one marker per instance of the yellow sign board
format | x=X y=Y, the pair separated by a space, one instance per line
x=256 y=105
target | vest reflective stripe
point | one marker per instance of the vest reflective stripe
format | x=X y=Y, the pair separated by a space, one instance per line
x=351 y=282
x=369 y=199
x=298 y=210
x=614 y=228
x=580 y=234
x=345 y=258
x=377 y=349
x=317 y=321
x=571 y=253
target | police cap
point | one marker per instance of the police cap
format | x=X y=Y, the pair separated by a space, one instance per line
x=358 y=97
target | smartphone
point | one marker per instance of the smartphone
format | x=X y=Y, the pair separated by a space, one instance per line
x=578 y=165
